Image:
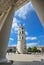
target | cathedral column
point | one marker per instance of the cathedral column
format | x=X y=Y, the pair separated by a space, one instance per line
x=39 y=8
x=4 y=35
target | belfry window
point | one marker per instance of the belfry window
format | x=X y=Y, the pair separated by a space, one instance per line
x=22 y=37
x=22 y=27
x=22 y=32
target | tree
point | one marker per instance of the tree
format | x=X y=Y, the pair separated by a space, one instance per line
x=29 y=49
x=34 y=49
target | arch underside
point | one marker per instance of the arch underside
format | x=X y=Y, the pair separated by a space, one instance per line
x=5 y=5
x=7 y=9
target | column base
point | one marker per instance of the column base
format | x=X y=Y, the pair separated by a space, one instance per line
x=5 y=63
x=3 y=60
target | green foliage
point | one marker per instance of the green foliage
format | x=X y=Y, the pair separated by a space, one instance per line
x=33 y=49
x=29 y=49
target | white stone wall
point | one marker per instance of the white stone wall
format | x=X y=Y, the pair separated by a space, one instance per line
x=21 y=46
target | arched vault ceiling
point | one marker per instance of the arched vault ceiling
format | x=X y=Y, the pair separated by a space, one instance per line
x=5 y=4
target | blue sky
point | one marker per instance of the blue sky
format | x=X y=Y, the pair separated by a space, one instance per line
x=34 y=30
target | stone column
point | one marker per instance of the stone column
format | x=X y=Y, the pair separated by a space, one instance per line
x=39 y=8
x=4 y=35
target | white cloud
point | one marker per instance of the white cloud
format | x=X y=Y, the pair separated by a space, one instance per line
x=32 y=44
x=31 y=38
x=15 y=25
x=12 y=45
x=22 y=12
x=24 y=24
x=26 y=32
x=11 y=39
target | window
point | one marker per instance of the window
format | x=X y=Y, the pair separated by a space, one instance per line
x=22 y=37
x=22 y=32
x=22 y=27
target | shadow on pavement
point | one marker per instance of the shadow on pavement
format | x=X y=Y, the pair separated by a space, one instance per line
x=29 y=63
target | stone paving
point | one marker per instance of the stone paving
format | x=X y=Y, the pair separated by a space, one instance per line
x=26 y=59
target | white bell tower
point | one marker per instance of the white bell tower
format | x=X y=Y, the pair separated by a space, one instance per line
x=21 y=46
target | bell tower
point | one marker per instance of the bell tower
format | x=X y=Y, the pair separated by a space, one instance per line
x=21 y=46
